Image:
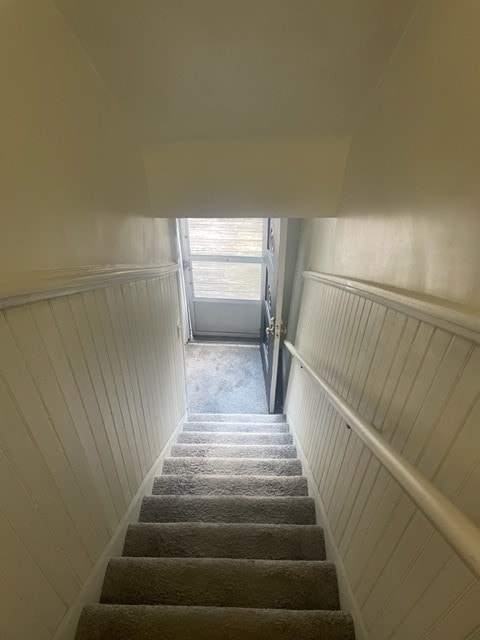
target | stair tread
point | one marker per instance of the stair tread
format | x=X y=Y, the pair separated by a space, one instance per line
x=235 y=466
x=221 y=582
x=259 y=509
x=237 y=417
x=225 y=540
x=234 y=450
x=233 y=437
x=144 y=622
x=238 y=427
x=227 y=547
x=246 y=485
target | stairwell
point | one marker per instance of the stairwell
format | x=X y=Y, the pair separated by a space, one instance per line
x=226 y=547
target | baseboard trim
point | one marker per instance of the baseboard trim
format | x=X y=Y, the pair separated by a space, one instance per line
x=91 y=590
x=347 y=598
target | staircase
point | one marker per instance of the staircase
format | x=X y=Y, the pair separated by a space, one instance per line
x=226 y=547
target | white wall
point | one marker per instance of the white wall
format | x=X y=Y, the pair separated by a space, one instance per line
x=409 y=212
x=419 y=386
x=248 y=177
x=408 y=217
x=91 y=388
x=73 y=188
x=91 y=383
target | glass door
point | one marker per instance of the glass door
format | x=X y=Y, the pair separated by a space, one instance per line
x=222 y=262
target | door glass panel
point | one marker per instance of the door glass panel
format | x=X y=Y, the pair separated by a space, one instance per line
x=226 y=236
x=230 y=280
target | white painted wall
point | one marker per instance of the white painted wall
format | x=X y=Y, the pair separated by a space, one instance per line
x=419 y=386
x=410 y=208
x=285 y=177
x=91 y=388
x=408 y=217
x=73 y=188
x=91 y=383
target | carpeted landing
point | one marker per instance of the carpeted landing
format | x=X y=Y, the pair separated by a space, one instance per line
x=225 y=378
x=226 y=547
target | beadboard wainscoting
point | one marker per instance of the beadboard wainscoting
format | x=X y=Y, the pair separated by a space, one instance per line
x=418 y=384
x=92 y=388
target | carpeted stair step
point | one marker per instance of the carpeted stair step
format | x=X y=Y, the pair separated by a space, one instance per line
x=234 y=451
x=237 y=417
x=233 y=437
x=260 y=510
x=221 y=582
x=232 y=466
x=240 y=427
x=230 y=485
x=127 y=622
x=207 y=540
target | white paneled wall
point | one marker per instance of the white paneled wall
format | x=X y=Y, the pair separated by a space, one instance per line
x=91 y=388
x=419 y=385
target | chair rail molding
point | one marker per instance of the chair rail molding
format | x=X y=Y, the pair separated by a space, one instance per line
x=454 y=317
x=30 y=286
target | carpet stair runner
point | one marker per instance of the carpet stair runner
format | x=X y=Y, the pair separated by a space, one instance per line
x=226 y=547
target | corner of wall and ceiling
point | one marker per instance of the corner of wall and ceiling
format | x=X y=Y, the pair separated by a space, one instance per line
x=120 y=113
x=374 y=92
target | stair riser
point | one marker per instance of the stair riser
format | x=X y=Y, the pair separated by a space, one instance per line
x=233 y=451
x=231 y=485
x=225 y=466
x=193 y=540
x=236 y=417
x=221 y=583
x=239 y=427
x=204 y=437
x=227 y=509
x=111 y=622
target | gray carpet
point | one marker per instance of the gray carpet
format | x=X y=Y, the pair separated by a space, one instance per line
x=226 y=548
x=234 y=450
x=225 y=485
x=200 y=437
x=140 y=622
x=214 y=508
x=225 y=378
x=221 y=582
x=237 y=466
x=225 y=540
x=217 y=426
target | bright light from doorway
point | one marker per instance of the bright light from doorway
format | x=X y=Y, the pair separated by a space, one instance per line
x=226 y=257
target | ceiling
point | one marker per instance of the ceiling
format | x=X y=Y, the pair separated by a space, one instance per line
x=208 y=69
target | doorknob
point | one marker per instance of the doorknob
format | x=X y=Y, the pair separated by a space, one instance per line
x=270 y=330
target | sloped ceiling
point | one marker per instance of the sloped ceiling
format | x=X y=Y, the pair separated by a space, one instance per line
x=241 y=107
x=203 y=69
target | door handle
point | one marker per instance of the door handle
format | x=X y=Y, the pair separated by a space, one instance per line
x=270 y=330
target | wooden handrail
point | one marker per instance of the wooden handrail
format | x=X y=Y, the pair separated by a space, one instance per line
x=458 y=530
